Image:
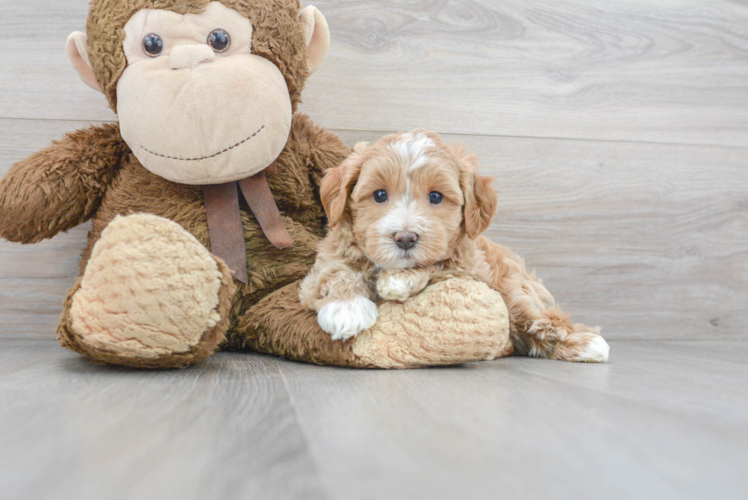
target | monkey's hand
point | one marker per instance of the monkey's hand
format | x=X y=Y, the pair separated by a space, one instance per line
x=400 y=284
x=60 y=186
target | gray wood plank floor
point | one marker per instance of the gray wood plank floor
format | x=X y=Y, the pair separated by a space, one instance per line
x=662 y=420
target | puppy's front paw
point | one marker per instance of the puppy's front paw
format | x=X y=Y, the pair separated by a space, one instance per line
x=396 y=286
x=344 y=319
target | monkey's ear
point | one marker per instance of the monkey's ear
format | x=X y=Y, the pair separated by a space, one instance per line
x=316 y=36
x=77 y=49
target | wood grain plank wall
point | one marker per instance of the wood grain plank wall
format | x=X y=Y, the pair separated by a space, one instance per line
x=618 y=134
x=644 y=70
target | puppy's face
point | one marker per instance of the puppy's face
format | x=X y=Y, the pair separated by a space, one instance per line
x=409 y=199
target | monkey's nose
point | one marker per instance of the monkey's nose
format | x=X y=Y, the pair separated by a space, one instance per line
x=405 y=239
x=188 y=56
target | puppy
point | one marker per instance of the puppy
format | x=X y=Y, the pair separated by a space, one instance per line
x=409 y=210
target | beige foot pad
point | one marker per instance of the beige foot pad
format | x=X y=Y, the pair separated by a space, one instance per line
x=450 y=322
x=151 y=296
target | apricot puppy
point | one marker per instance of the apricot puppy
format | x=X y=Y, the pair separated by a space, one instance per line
x=409 y=210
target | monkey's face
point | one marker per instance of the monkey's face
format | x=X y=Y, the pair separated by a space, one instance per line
x=195 y=105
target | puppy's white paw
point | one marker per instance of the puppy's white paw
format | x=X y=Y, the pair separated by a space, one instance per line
x=597 y=351
x=393 y=287
x=345 y=319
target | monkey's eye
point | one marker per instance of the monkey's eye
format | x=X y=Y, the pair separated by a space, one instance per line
x=380 y=196
x=153 y=45
x=219 y=40
x=435 y=197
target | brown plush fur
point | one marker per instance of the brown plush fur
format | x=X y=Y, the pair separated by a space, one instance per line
x=60 y=186
x=279 y=325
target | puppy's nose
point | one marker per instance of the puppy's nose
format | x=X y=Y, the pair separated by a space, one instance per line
x=405 y=239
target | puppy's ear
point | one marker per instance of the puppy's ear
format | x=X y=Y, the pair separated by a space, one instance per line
x=338 y=182
x=480 y=198
x=480 y=207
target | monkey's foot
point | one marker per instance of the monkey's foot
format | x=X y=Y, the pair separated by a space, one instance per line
x=450 y=322
x=152 y=296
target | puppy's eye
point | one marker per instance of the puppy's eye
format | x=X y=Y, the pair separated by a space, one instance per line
x=435 y=197
x=380 y=196
x=219 y=40
x=153 y=45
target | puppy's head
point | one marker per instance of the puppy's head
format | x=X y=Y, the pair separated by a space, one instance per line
x=409 y=198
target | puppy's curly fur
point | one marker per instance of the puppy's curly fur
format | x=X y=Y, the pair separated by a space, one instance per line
x=409 y=210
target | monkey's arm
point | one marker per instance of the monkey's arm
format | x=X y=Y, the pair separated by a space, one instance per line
x=60 y=186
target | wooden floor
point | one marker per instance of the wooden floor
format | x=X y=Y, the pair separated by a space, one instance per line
x=618 y=135
x=663 y=420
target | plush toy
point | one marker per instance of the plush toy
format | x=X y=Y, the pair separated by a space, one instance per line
x=209 y=155
x=205 y=200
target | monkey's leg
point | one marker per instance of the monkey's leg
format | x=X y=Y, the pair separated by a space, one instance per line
x=152 y=296
x=450 y=322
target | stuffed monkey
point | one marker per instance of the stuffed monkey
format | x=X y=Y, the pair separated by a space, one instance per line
x=205 y=202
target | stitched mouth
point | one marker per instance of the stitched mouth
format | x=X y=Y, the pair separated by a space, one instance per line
x=203 y=157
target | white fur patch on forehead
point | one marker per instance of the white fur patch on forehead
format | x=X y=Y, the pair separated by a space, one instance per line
x=412 y=148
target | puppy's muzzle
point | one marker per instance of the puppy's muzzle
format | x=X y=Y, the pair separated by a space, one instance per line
x=405 y=239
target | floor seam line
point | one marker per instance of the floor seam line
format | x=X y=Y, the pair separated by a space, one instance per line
x=305 y=433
